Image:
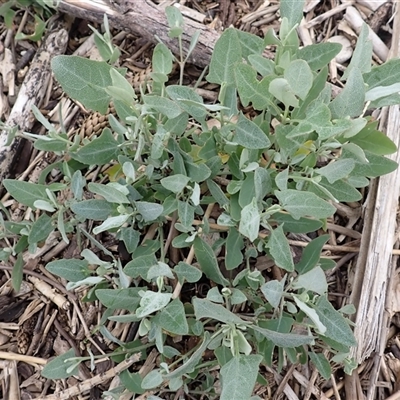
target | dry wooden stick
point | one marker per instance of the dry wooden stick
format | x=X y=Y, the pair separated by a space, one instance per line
x=144 y=19
x=32 y=92
x=95 y=381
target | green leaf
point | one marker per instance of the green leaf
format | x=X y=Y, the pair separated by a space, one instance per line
x=362 y=55
x=188 y=100
x=292 y=10
x=153 y=378
x=249 y=225
x=72 y=270
x=132 y=381
x=340 y=190
x=40 y=229
x=383 y=75
x=374 y=141
x=160 y=269
x=350 y=101
x=321 y=363
x=313 y=280
x=262 y=183
x=25 y=192
x=111 y=223
x=311 y=254
x=249 y=135
x=217 y=193
x=187 y=272
x=17 y=273
x=303 y=204
x=233 y=249
x=208 y=261
x=376 y=166
x=250 y=43
x=279 y=249
x=99 y=151
x=185 y=214
x=311 y=313
x=175 y=183
x=97 y=210
x=302 y=225
x=204 y=308
x=300 y=78
x=250 y=89
x=109 y=192
x=140 y=266
x=281 y=89
x=263 y=66
x=319 y=55
x=193 y=361
x=130 y=237
x=338 y=328
x=149 y=211
x=162 y=105
x=50 y=145
x=119 y=299
x=162 y=59
x=284 y=339
x=84 y=80
x=238 y=377
x=173 y=318
x=57 y=368
x=224 y=57
x=273 y=292
x=337 y=169
x=152 y=302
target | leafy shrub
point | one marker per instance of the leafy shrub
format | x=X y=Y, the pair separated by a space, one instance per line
x=174 y=159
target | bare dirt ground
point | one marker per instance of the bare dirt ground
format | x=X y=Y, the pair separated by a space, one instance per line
x=34 y=328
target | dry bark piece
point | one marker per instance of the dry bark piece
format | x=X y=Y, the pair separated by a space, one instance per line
x=145 y=19
x=32 y=92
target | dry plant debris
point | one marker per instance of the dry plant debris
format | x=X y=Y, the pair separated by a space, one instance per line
x=44 y=319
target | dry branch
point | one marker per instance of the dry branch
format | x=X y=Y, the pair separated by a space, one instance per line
x=32 y=92
x=374 y=268
x=144 y=19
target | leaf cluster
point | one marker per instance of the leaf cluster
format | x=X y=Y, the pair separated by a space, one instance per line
x=172 y=158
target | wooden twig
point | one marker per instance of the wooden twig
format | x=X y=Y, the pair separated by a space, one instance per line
x=375 y=269
x=144 y=19
x=32 y=92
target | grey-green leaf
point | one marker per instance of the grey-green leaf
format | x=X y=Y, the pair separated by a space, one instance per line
x=238 y=377
x=303 y=204
x=273 y=291
x=95 y=209
x=350 y=101
x=73 y=270
x=99 y=151
x=280 y=250
x=84 y=80
x=41 y=229
x=300 y=77
x=225 y=55
x=249 y=225
x=338 y=328
x=292 y=10
x=208 y=261
x=173 y=318
x=249 y=135
x=284 y=339
x=25 y=192
x=57 y=368
x=319 y=55
x=204 y=308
